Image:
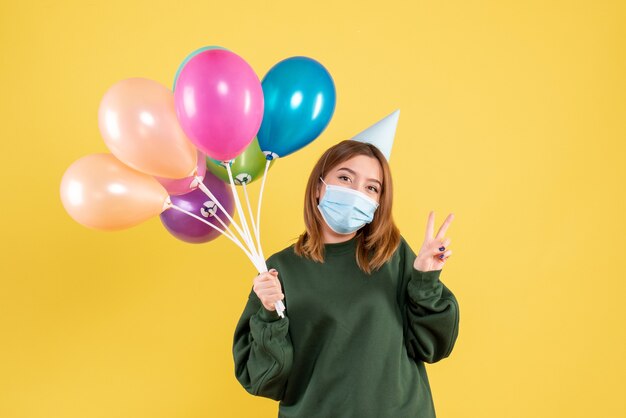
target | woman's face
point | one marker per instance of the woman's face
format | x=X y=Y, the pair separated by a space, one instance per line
x=360 y=173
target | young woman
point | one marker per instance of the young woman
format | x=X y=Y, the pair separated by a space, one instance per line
x=363 y=311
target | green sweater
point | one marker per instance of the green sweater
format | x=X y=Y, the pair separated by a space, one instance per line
x=350 y=344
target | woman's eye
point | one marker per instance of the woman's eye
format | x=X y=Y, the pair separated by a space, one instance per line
x=344 y=177
x=374 y=189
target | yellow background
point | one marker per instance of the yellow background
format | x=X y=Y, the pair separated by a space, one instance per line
x=512 y=117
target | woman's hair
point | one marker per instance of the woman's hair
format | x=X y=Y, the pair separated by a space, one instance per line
x=376 y=241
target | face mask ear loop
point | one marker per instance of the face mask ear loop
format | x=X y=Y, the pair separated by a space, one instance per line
x=323 y=167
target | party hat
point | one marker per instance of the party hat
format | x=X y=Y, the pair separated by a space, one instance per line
x=381 y=133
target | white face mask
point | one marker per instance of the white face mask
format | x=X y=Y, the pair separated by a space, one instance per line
x=345 y=210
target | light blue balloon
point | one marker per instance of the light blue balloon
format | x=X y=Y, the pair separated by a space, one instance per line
x=299 y=95
x=190 y=56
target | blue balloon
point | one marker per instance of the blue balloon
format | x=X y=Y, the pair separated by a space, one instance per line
x=299 y=95
x=190 y=56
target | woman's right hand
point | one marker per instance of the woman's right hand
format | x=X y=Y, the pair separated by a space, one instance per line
x=267 y=288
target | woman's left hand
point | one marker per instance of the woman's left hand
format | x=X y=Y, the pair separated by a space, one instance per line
x=434 y=251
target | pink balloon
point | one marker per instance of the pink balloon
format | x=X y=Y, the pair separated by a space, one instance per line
x=185 y=185
x=219 y=103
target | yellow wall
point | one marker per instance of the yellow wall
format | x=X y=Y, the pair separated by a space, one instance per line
x=512 y=117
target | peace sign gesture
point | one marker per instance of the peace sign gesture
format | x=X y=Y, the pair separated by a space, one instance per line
x=434 y=252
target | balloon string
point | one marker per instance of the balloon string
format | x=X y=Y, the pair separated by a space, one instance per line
x=258 y=210
x=225 y=227
x=178 y=208
x=245 y=192
x=242 y=216
x=258 y=260
x=280 y=307
x=206 y=191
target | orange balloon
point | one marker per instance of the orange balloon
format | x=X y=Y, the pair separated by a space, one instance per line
x=101 y=192
x=138 y=122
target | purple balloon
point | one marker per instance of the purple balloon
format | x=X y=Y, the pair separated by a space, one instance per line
x=188 y=228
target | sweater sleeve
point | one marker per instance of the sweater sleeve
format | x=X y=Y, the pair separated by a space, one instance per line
x=431 y=312
x=262 y=350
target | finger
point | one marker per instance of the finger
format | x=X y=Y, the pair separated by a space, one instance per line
x=265 y=289
x=445 y=243
x=266 y=277
x=430 y=225
x=262 y=284
x=444 y=255
x=437 y=247
x=274 y=297
x=275 y=279
x=267 y=285
x=270 y=278
x=444 y=226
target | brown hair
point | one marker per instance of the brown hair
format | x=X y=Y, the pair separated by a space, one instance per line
x=375 y=242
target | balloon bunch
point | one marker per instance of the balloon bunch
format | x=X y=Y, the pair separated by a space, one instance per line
x=174 y=153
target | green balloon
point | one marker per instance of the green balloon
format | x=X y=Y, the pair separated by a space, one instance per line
x=247 y=167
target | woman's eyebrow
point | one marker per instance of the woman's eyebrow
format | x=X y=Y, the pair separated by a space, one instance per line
x=354 y=173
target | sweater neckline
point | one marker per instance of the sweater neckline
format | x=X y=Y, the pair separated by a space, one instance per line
x=342 y=247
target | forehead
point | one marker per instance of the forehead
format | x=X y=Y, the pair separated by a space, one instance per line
x=363 y=166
